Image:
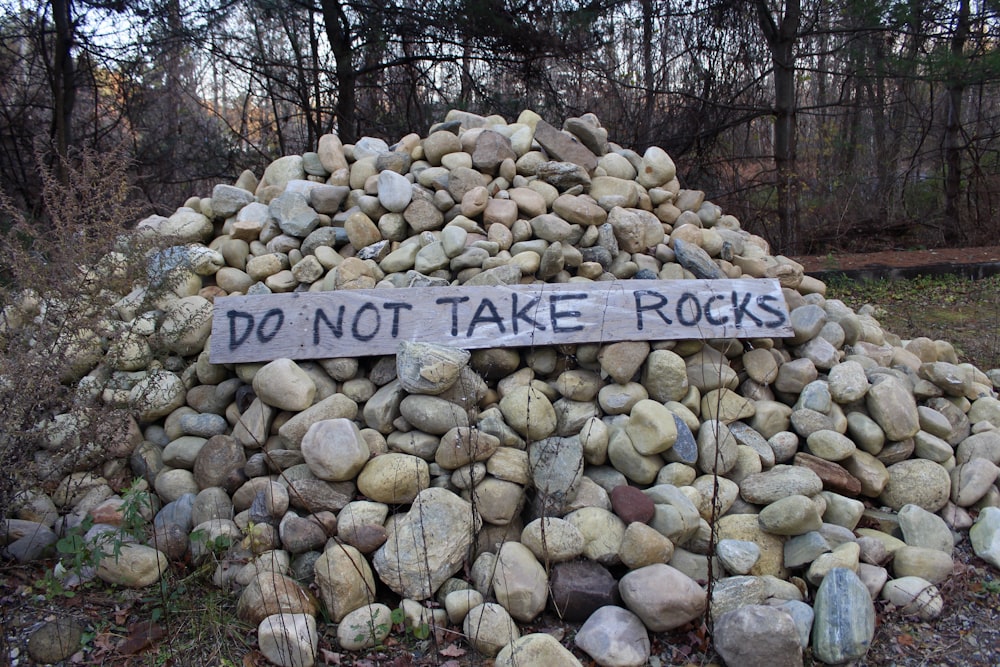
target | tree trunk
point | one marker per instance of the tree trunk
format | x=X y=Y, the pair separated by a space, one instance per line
x=649 y=90
x=338 y=33
x=781 y=38
x=63 y=79
x=953 y=232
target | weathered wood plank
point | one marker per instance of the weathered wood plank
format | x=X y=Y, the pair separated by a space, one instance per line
x=352 y=323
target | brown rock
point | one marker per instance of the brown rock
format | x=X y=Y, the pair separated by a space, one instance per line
x=834 y=477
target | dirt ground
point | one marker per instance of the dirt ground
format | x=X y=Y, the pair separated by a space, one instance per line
x=899 y=258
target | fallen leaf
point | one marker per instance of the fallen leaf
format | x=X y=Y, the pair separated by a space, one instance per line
x=452 y=651
x=330 y=657
x=141 y=636
x=905 y=639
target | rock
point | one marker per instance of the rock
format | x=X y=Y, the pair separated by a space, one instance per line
x=914 y=596
x=916 y=481
x=564 y=147
x=458 y=603
x=335 y=450
x=757 y=635
x=921 y=528
x=536 y=649
x=971 y=481
x=894 y=409
x=271 y=593
x=614 y=637
x=631 y=504
x=427 y=545
x=931 y=564
x=289 y=640
x=394 y=478
x=791 y=515
x=283 y=384
x=134 y=566
x=651 y=427
x=552 y=540
x=529 y=412
x=662 y=596
x=764 y=488
x=424 y=368
x=579 y=588
x=519 y=582
x=394 y=191
x=365 y=627
x=345 y=580
x=737 y=556
x=602 y=533
x=54 y=641
x=643 y=545
x=489 y=628
x=848 y=382
x=844 y=623
x=984 y=535
x=556 y=466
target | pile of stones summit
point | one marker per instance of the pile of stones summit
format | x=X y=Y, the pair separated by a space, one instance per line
x=806 y=476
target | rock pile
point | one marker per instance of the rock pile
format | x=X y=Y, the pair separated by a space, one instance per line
x=808 y=476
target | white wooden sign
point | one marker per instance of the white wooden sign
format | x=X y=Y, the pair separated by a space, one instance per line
x=356 y=323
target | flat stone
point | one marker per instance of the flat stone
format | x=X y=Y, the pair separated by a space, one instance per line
x=834 y=477
x=564 y=147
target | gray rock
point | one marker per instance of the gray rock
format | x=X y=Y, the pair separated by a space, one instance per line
x=662 y=596
x=294 y=215
x=614 y=637
x=921 y=528
x=766 y=487
x=737 y=556
x=985 y=536
x=556 y=466
x=844 y=623
x=757 y=635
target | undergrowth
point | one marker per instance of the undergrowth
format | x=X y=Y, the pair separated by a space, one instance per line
x=960 y=310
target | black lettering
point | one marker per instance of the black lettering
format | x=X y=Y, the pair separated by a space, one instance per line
x=479 y=317
x=268 y=316
x=355 y=332
x=554 y=314
x=522 y=313
x=454 y=301
x=741 y=311
x=236 y=340
x=688 y=298
x=655 y=307
x=709 y=316
x=764 y=301
x=395 y=307
x=336 y=328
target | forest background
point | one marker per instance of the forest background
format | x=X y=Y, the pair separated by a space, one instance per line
x=822 y=124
